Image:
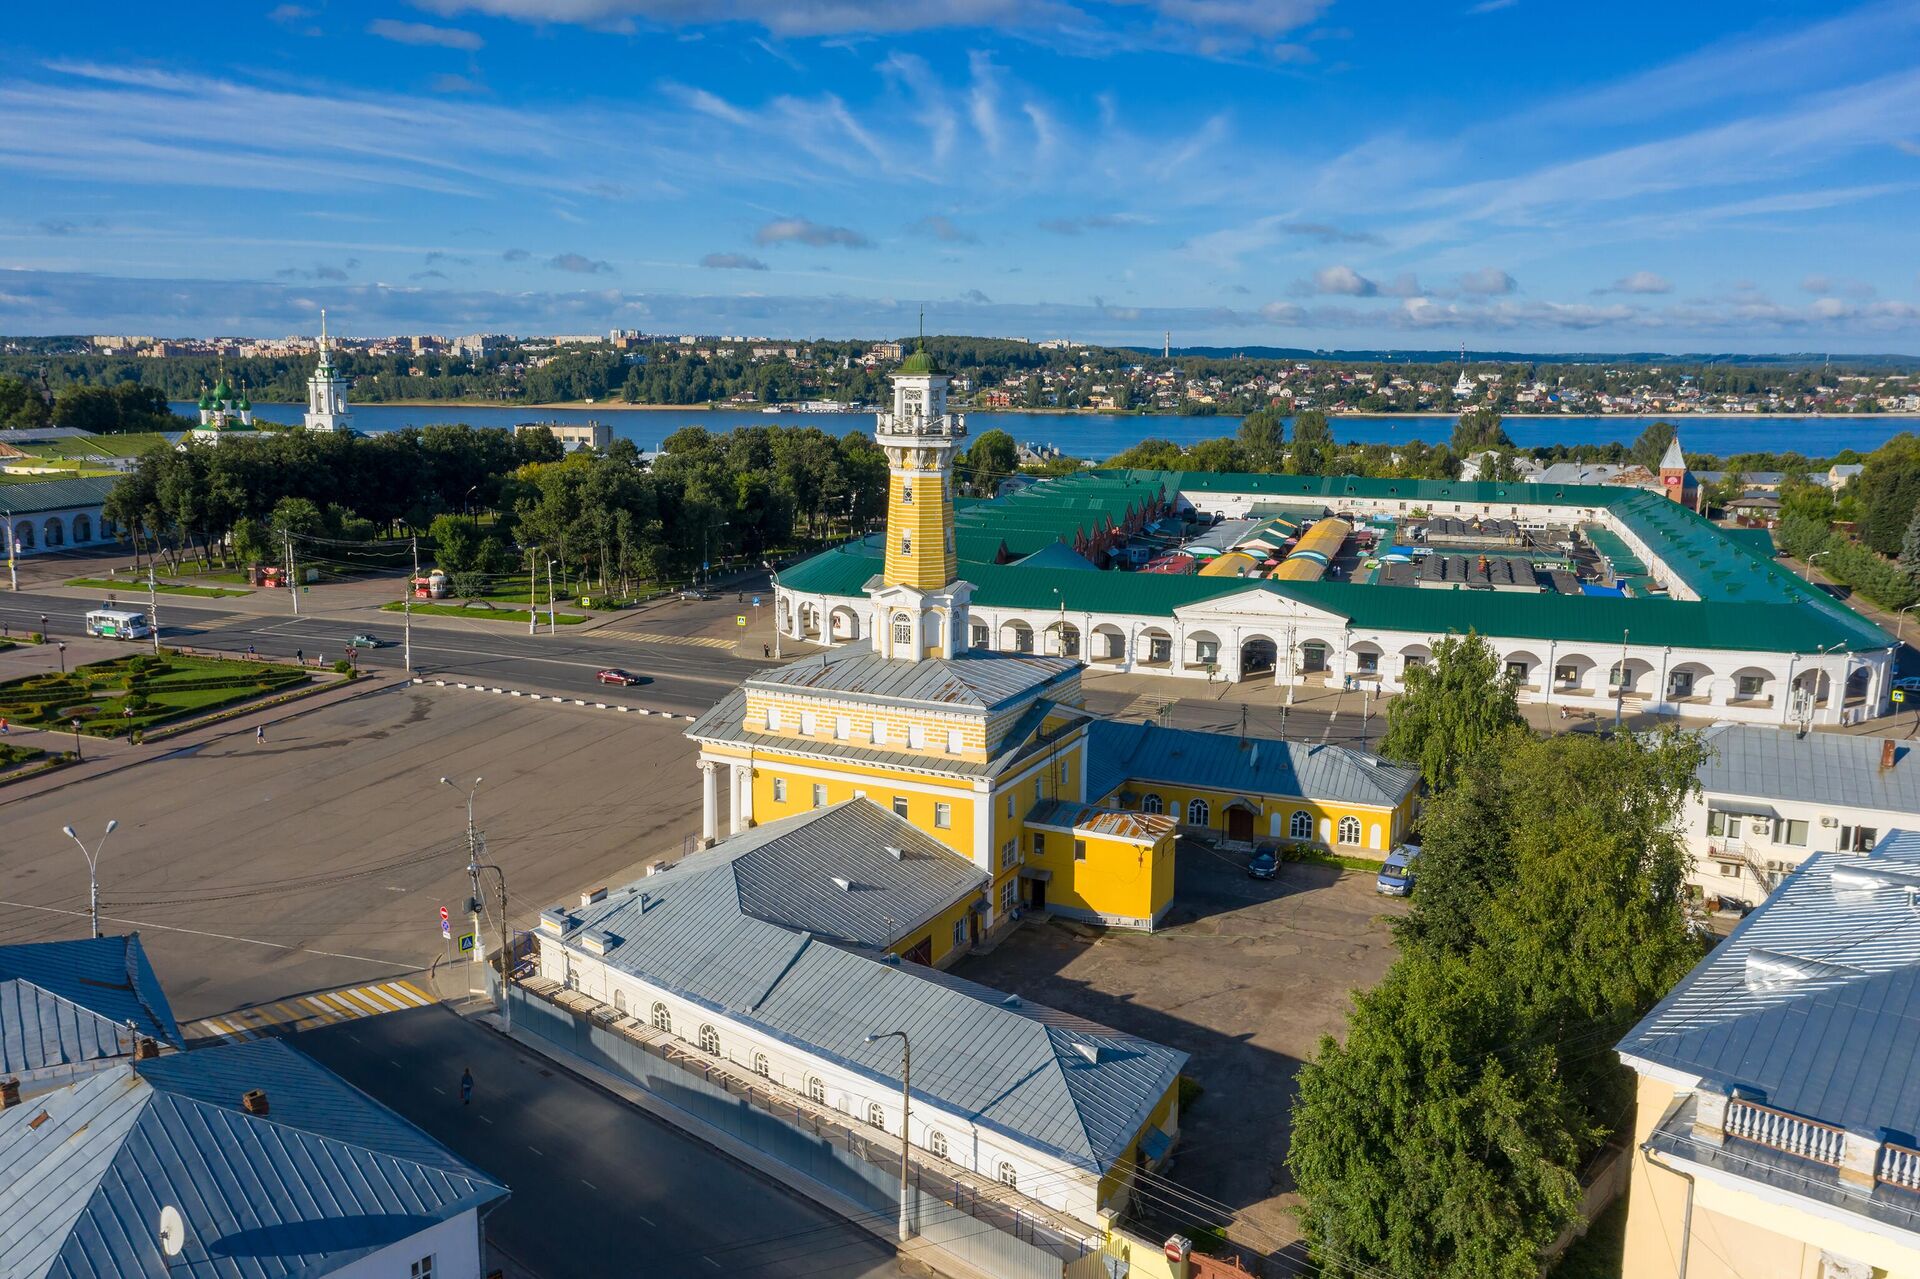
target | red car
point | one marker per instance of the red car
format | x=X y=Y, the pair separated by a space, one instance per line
x=614 y=675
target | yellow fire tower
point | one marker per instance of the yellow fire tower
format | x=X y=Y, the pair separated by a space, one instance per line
x=918 y=609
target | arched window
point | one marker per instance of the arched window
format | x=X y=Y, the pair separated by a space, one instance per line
x=761 y=1066
x=709 y=1040
x=937 y=1143
x=56 y=534
x=82 y=529
x=1300 y=826
x=816 y=1090
x=1150 y=804
x=1350 y=830
x=1007 y=1177
x=902 y=629
x=1197 y=812
x=619 y=1001
x=876 y=1116
x=662 y=1019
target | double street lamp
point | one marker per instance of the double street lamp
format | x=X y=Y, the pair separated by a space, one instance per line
x=93 y=870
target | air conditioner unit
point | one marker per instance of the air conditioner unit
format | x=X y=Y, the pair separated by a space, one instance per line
x=1829 y=821
x=1762 y=826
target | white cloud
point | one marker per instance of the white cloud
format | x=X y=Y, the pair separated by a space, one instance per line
x=815 y=234
x=579 y=264
x=1487 y=280
x=1639 y=282
x=1341 y=281
x=421 y=33
x=732 y=262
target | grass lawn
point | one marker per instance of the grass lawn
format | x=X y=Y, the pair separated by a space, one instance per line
x=484 y=613
x=133 y=586
x=114 y=697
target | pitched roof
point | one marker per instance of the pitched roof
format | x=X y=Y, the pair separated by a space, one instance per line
x=849 y=872
x=326 y=1177
x=1120 y=823
x=71 y=1003
x=1839 y=769
x=33 y=496
x=974 y=679
x=1673 y=459
x=1125 y=752
x=1072 y=1087
x=1814 y=1000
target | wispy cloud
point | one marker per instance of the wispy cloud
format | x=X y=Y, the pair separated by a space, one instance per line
x=579 y=264
x=1095 y=222
x=942 y=228
x=1488 y=281
x=1639 y=282
x=815 y=234
x=421 y=33
x=732 y=262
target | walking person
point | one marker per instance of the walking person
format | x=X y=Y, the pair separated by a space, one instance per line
x=6 y=730
x=260 y=734
x=466 y=1086
x=766 y=650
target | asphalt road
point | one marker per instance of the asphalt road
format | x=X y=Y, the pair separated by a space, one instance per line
x=680 y=678
x=599 y=1188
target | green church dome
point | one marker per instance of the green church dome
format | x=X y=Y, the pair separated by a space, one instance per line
x=206 y=399
x=222 y=391
x=919 y=363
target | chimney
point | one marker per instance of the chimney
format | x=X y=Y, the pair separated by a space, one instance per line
x=254 y=1102
x=1888 y=749
x=145 y=1049
x=9 y=1093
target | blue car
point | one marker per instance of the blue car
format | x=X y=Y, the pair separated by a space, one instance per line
x=1396 y=873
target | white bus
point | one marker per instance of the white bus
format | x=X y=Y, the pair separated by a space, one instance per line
x=118 y=623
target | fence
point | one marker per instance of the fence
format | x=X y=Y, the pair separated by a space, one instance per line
x=950 y=1213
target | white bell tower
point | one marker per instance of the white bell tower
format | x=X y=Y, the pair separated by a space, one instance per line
x=327 y=391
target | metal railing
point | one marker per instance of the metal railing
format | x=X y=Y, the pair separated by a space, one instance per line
x=1791 y=1134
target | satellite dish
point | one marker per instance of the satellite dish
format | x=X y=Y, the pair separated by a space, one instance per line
x=173 y=1231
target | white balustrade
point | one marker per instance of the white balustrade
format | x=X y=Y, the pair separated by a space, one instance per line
x=1899 y=1166
x=1765 y=1126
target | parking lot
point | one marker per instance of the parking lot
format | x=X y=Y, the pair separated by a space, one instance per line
x=1246 y=978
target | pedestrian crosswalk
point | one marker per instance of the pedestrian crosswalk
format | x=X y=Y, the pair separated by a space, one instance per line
x=1147 y=708
x=650 y=637
x=304 y=1012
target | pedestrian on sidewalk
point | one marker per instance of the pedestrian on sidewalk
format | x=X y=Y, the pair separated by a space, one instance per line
x=766 y=650
x=466 y=1086
x=300 y=656
x=5 y=729
x=260 y=734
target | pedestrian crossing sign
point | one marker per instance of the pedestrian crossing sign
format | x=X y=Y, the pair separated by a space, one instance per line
x=1899 y=696
x=739 y=619
x=466 y=942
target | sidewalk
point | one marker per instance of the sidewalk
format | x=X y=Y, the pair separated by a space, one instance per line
x=104 y=756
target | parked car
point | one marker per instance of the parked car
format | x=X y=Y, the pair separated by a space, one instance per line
x=614 y=675
x=1910 y=683
x=368 y=641
x=1265 y=863
x=1396 y=873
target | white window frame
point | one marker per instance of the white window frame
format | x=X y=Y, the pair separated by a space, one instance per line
x=1199 y=812
x=819 y=795
x=1348 y=832
x=1300 y=825
x=942 y=815
x=779 y=790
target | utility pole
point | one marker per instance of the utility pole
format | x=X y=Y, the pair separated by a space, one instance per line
x=473 y=868
x=553 y=627
x=153 y=609
x=406 y=611
x=906 y=1100
x=293 y=587
x=13 y=570
x=533 y=606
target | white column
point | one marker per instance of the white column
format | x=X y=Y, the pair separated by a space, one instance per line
x=709 y=801
x=735 y=817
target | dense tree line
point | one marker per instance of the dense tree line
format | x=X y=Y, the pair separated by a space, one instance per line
x=484 y=497
x=1446 y=1135
x=119 y=409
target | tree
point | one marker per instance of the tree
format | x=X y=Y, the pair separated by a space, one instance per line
x=1263 y=439
x=1312 y=452
x=1889 y=492
x=1910 y=547
x=1652 y=444
x=1477 y=429
x=993 y=457
x=1451 y=708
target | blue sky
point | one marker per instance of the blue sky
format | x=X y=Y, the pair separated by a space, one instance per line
x=1522 y=174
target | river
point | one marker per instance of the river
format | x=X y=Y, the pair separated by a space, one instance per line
x=1096 y=435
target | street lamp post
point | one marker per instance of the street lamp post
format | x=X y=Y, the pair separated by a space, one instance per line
x=906 y=1083
x=62 y=647
x=1900 y=625
x=93 y=870
x=473 y=866
x=1810 y=559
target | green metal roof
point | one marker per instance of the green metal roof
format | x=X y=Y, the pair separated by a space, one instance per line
x=34 y=496
x=1748 y=602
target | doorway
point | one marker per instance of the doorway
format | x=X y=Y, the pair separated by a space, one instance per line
x=1239 y=823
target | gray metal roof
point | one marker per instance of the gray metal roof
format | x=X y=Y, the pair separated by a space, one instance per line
x=833 y=873
x=1813 y=1002
x=326 y=1177
x=974 y=679
x=1079 y=1090
x=1124 y=752
x=70 y=1003
x=1820 y=768
x=32 y=496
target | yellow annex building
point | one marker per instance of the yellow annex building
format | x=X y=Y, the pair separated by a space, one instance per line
x=993 y=754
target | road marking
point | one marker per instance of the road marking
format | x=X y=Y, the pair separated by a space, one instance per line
x=201 y=932
x=654 y=637
x=437 y=1088
x=536 y=1150
x=483 y=1119
x=710 y=1261
x=588 y=1184
x=323 y=1008
x=648 y=1221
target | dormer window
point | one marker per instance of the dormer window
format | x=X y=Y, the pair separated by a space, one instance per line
x=902 y=630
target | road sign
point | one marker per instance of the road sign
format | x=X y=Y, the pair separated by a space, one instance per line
x=756 y=601
x=1899 y=696
x=446 y=927
x=739 y=619
x=466 y=942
